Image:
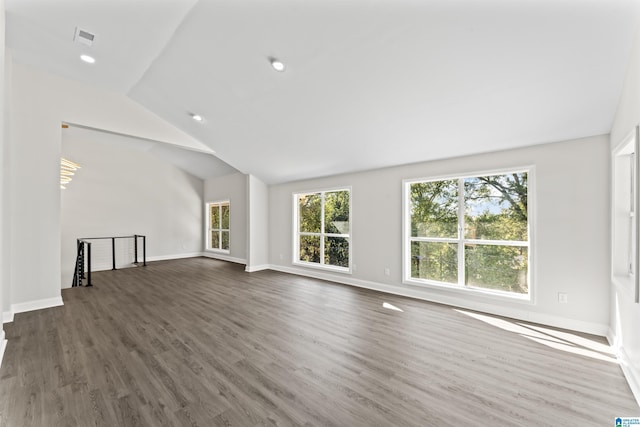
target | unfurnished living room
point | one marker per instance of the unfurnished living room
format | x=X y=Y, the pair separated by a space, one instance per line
x=319 y=213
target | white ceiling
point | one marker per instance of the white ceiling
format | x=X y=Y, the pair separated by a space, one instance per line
x=369 y=83
x=130 y=34
x=197 y=163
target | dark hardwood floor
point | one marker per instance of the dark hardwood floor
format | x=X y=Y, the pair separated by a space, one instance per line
x=199 y=342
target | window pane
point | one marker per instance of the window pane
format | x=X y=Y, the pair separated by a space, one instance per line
x=215 y=239
x=336 y=212
x=434 y=261
x=225 y=240
x=496 y=207
x=309 y=212
x=215 y=216
x=225 y=217
x=434 y=209
x=336 y=251
x=497 y=267
x=310 y=248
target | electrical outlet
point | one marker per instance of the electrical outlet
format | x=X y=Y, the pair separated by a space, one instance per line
x=281 y=257
x=562 y=298
x=353 y=267
x=387 y=272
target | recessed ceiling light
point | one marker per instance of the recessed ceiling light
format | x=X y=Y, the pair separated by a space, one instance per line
x=277 y=64
x=197 y=117
x=88 y=59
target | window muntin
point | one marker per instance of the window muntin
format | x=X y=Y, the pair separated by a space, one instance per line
x=218 y=226
x=469 y=232
x=323 y=229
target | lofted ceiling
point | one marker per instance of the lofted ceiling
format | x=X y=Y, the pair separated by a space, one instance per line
x=197 y=163
x=368 y=83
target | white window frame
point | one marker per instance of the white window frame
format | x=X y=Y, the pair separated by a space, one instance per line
x=209 y=229
x=460 y=287
x=625 y=205
x=296 y=231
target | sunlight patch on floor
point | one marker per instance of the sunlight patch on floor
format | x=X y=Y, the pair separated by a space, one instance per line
x=576 y=339
x=391 y=307
x=558 y=340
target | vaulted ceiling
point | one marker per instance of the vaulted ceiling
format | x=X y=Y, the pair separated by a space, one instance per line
x=367 y=84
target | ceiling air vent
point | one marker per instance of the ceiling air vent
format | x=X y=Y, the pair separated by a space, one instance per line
x=83 y=37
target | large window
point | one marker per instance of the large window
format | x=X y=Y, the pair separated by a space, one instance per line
x=469 y=232
x=625 y=237
x=218 y=226
x=323 y=229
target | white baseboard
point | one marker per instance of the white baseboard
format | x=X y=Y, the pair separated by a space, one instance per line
x=523 y=313
x=7 y=316
x=611 y=338
x=570 y=324
x=630 y=372
x=36 y=305
x=168 y=257
x=223 y=257
x=255 y=268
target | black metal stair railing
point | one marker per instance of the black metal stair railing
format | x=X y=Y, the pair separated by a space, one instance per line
x=83 y=260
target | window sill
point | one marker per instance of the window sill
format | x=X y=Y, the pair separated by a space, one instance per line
x=463 y=290
x=330 y=268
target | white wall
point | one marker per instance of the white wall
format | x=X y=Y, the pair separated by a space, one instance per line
x=258 y=225
x=233 y=188
x=39 y=103
x=570 y=235
x=5 y=228
x=121 y=191
x=625 y=314
x=3 y=198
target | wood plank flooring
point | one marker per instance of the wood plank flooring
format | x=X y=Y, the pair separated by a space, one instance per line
x=199 y=342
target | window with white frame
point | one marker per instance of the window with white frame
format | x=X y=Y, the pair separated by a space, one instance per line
x=218 y=226
x=624 y=236
x=322 y=229
x=469 y=232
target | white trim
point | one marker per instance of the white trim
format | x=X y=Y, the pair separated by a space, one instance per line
x=296 y=230
x=454 y=288
x=519 y=310
x=627 y=279
x=108 y=268
x=151 y=259
x=529 y=297
x=611 y=337
x=630 y=372
x=469 y=174
x=166 y=257
x=207 y=225
x=218 y=251
x=255 y=268
x=36 y=304
x=7 y=316
x=3 y=345
x=223 y=257
x=325 y=267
